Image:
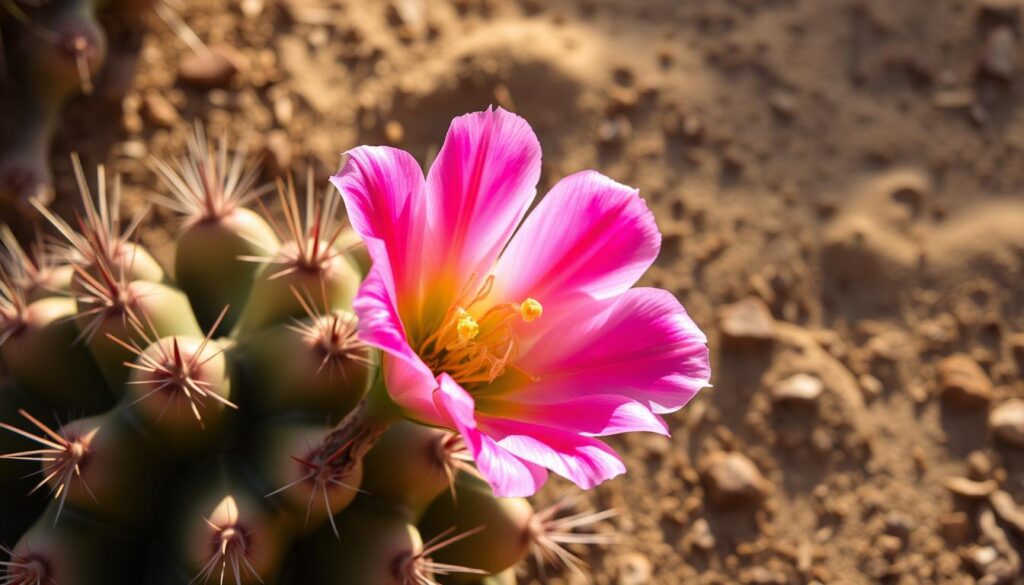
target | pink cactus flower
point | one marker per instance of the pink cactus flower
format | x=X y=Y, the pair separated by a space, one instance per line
x=530 y=343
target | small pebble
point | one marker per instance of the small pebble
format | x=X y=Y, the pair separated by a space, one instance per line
x=284 y=110
x=783 y=103
x=732 y=479
x=963 y=383
x=967 y=488
x=981 y=557
x=762 y=576
x=1007 y=422
x=700 y=536
x=394 y=132
x=634 y=569
x=1000 y=55
x=158 y=111
x=748 y=320
x=215 y=68
x=798 y=389
x=898 y=524
x=955 y=527
x=980 y=465
x=870 y=386
x=134 y=149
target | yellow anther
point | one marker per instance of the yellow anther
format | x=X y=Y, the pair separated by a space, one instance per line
x=530 y=310
x=467 y=326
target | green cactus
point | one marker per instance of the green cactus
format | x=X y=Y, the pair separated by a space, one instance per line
x=214 y=428
x=64 y=46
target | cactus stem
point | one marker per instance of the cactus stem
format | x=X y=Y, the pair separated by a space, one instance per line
x=335 y=334
x=31 y=271
x=208 y=184
x=322 y=477
x=61 y=457
x=550 y=533
x=170 y=370
x=12 y=305
x=344 y=448
x=23 y=570
x=420 y=568
x=229 y=546
x=310 y=236
x=104 y=296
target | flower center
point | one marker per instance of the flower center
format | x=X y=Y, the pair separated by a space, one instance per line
x=476 y=349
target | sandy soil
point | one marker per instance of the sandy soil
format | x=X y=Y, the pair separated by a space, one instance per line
x=839 y=185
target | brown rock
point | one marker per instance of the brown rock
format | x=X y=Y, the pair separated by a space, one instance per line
x=134 y=149
x=700 y=536
x=748 y=320
x=411 y=14
x=963 y=383
x=1000 y=56
x=870 y=386
x=394 y=132
x=762 y=576
x=980 y=465
x=898 y=524
x=615 y=130
x=980 y=557
x=634 y=569
x=284 y=110
x=277 y=153
x=215 y=68
x=158 y=111
x=798 y=389
x=693 y=128
x=1007 y=422
x=252 y=8
x=955 y=527
x=954 y=98
x=784 y=103
x=889 y=544
x=733 y=480
x=967 y=488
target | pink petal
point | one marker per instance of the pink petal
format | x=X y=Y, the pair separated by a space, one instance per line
x=641 y=345
x=481 y=184
x=508 y=475
x=595 y=415
x=383 y=193
x=409 y=381
x=383 y=190
x=590 y=237
x=411 y=385
x=583 y=460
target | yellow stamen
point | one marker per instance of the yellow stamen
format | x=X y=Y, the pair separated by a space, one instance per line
x=467 y=327
x=530 y=310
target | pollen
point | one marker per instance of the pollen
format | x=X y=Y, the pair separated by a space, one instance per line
x=467 y=326
x=530 y=310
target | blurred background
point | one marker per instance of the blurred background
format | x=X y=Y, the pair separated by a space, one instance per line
x=839 y=184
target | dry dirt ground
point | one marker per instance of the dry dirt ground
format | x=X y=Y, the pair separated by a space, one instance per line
x=840 y=187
